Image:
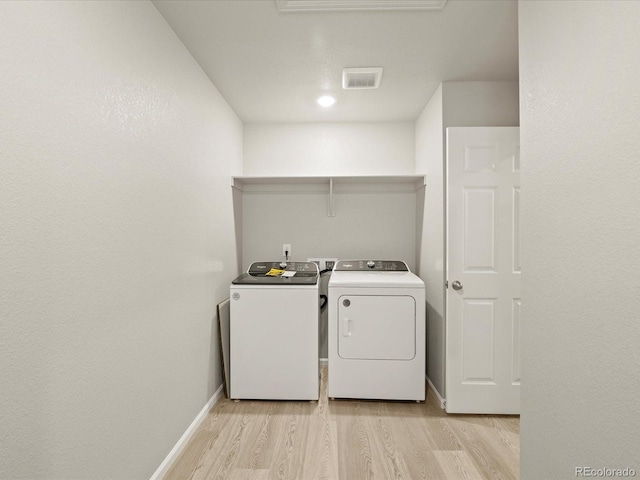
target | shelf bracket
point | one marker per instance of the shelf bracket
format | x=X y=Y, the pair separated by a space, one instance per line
x=331 y=210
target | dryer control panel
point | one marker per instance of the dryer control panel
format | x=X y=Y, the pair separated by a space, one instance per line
x=371 y=265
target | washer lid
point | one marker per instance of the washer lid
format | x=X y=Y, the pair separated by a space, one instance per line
x=375 y=279
x=248 y=279
x=272 y=273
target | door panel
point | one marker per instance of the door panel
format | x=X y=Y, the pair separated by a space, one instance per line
x=479 y=229
x=376 y=327
x=478 y=324
x=516 y=230
x=515 y=340
x=516 y=159
x=483 y=258
x=480 y=158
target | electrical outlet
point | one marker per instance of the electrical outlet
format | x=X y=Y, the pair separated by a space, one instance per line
x=286 y=249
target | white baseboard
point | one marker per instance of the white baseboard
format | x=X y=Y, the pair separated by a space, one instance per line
x=443 y=402
x=186 y=436
x=324 y=361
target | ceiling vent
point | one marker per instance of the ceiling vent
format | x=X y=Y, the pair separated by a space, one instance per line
x=359 y=78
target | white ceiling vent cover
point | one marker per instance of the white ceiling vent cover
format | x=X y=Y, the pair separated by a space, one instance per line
x=358 y=78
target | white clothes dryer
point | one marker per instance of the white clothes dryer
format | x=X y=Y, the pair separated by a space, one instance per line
x=273 y=333
x=377 y=331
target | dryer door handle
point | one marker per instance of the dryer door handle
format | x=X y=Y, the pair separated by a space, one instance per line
x=345 y=328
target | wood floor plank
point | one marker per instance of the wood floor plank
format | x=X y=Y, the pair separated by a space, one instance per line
x=509 y=441
x=248 y=474
x=440 y=435
x=204 y=442
x=387 y=457
x=323 y=401
x=321 y=455
x=348 y=440
x=259 y=450
x=509 y=422
x=476 y=440
x=353 y=444
x=289 y=459
x=457 y=465
x=220 y=465
x=413 y=443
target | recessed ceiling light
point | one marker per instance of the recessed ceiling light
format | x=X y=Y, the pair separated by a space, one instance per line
x=326 y=101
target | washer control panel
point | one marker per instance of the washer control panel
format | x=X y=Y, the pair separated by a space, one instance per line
x=371 y=265
x=302 y=269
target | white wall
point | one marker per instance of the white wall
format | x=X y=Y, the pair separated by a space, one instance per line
x=480 y=104
x=579 y=70
x=329 y=149
x=454 y=104
x=117 y=238
x=367 y=224
x=429 y=161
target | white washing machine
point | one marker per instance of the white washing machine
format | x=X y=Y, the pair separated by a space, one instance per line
x=376 y=331
x=273 y=333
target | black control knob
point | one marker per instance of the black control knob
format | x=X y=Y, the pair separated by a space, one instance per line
x=371 y=264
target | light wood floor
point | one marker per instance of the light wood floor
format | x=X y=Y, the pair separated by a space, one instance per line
x=349 y=440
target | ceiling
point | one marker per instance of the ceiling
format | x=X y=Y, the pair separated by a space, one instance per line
x=272 y=65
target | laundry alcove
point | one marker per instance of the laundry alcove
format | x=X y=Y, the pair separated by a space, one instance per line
x=339 y=217
x=343 y=217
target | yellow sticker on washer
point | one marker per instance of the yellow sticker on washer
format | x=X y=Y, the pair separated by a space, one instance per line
x=275 y=272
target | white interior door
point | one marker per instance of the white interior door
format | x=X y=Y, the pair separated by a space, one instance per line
x=483 y=270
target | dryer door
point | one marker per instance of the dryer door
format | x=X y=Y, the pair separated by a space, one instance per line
x=377 y=327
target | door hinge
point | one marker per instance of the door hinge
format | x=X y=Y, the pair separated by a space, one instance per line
x=446 y=284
